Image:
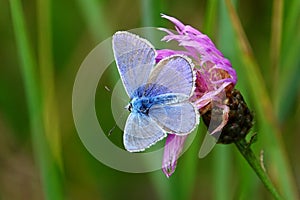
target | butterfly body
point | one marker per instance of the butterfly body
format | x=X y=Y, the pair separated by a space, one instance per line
x=140 y=105
x=159 y=95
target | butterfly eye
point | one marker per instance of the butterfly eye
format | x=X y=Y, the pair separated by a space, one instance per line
x=129 y=107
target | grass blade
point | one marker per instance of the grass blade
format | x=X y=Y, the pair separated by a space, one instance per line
x=290 y=61
x=266 y=115
x=93 y=12
x=151 y=10
x=50 y=111
x=210 y=17
x=275 y=50
x=51 y=179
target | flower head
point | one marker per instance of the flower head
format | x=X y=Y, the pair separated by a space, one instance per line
x=214 y=76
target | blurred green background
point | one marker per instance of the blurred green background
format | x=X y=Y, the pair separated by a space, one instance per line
x=43 y=43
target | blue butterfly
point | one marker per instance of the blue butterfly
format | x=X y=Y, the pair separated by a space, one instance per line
x=159 y=95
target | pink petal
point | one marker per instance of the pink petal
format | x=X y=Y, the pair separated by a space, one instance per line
x=201 y=48
x=173 y=148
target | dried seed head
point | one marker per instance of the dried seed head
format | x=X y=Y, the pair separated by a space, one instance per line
x=240 y=118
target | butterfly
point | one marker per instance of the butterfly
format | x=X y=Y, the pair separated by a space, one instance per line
x=159 y=94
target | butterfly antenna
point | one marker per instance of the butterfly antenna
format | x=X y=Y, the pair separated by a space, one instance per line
x=114 y=127
x=122 y=114
x=111 y=130
x=109 y=90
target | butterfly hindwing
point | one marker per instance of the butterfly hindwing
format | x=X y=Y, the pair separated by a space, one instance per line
x=179 y=118
x=141 y=132
x=174 y=74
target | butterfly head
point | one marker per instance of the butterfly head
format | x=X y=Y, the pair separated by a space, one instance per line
x=140 y=105
x=129 y=107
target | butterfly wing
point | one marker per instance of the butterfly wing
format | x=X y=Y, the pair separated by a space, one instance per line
x=179 y=118
x=173 y=74
x=141 y=132
x=173 y=79
x=135 y=58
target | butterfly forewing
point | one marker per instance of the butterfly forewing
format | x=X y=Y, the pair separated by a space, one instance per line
x=135 y=58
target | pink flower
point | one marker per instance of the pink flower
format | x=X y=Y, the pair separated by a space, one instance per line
x=214 y=76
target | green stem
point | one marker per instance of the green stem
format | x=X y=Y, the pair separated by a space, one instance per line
x=248 y=154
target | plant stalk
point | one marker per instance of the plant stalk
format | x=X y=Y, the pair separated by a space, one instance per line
x=248 y=154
